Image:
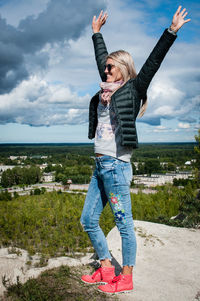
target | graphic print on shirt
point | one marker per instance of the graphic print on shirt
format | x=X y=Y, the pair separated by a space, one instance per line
x=105 y=131
x=107 y=123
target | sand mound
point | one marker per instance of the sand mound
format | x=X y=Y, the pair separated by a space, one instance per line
x=167 y=268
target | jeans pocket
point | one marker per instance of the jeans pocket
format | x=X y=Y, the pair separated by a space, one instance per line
x=108 y=164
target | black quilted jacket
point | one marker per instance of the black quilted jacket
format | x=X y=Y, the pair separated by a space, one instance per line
x=126 y=100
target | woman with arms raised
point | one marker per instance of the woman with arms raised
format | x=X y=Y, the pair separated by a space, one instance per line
x=112 y=116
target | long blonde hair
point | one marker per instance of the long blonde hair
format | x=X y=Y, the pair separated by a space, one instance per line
x=124 y=61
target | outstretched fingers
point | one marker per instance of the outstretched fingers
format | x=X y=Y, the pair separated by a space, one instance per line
x=179 y=19
x=178 y=10
x=100 y=15
x=99 y=22
x=183 y=11
x=188 y=20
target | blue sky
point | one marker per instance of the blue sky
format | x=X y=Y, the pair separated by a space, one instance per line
x=48 y=72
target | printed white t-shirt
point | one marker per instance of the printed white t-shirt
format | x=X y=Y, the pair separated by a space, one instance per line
x=107 y=139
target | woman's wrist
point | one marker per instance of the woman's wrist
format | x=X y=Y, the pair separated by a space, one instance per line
x=173 y=29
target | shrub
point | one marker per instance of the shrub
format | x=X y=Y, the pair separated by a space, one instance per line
x=48 y=223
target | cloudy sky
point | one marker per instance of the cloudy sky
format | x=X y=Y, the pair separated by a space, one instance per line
x=48 y=72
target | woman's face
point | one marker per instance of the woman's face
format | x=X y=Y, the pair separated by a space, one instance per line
x=112 y=72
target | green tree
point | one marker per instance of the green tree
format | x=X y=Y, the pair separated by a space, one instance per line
x=5 y=196
x=49 y=168
x=152 y=166
x=197 y=163
x=7 y=179
x=20 y=176
x=189 y=211
x=171 y=166
x=141 y=169
x=37 y=191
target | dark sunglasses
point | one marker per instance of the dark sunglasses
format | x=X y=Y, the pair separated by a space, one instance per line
x=108 y=67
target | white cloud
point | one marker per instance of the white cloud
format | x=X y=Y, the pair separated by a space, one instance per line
x=37 y=103
x=160 y=128
x=182 y=125
x=62 y=70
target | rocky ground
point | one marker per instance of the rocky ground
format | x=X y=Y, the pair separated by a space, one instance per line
x=167 y=269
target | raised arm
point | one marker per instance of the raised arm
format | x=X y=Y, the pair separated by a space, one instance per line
x=99 y=44
x=156 y=57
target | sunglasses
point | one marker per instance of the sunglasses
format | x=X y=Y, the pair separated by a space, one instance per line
x=108 y=67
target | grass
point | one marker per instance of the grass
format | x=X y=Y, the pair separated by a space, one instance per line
x=59 y=284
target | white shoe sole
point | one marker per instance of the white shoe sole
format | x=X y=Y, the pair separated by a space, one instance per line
x=92 y=283
x=116 y=293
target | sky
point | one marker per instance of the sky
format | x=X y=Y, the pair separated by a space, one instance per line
x=48 y=72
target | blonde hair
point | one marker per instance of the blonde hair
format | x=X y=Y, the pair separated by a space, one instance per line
x=124 y=61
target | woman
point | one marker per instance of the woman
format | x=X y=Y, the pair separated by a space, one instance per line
x=112 y=116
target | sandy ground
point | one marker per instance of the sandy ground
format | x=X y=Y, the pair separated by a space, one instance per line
x=167 y=269
x=168 y=262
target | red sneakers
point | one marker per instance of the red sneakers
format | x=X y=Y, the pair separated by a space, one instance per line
x=119 y=284
x=102 y=275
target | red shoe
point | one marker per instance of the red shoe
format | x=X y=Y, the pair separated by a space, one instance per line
x=102 y=275
x=119 y=284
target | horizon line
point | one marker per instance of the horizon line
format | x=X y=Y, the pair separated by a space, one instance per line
x=154 y=142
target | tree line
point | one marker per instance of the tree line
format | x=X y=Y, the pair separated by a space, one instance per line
x=20 y=176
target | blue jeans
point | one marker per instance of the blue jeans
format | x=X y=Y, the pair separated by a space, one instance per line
x=110 y=183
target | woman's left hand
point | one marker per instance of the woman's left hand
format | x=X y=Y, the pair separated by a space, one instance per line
x=179 y=19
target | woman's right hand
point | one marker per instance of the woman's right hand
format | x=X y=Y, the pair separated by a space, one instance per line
x=99 y=22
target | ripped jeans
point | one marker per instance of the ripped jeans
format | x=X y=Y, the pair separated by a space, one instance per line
x=110 y=183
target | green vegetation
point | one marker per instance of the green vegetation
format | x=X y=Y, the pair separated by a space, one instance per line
x=76 y=162
x=50 y=223
x=60 y=284
x=197 y=165
x=177 y=153
x=47 y=223
x=20 y=176
x=45 y=149
x=189 y=210
x=79 y=174
x=153 y=207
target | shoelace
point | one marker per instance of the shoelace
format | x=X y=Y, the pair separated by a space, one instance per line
x=115 y=279
x=96 y=273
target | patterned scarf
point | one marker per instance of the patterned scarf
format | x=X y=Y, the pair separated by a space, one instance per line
x=107 y=90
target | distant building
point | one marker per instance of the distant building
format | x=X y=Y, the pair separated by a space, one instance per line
x=5 y=167
x=23 y=157
x=136 y=165
x=160 y=179
x=13 y=158
x=43 y=166
x=19 y=157
x=190 y=162
x=163 y=163
x=48 y=177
